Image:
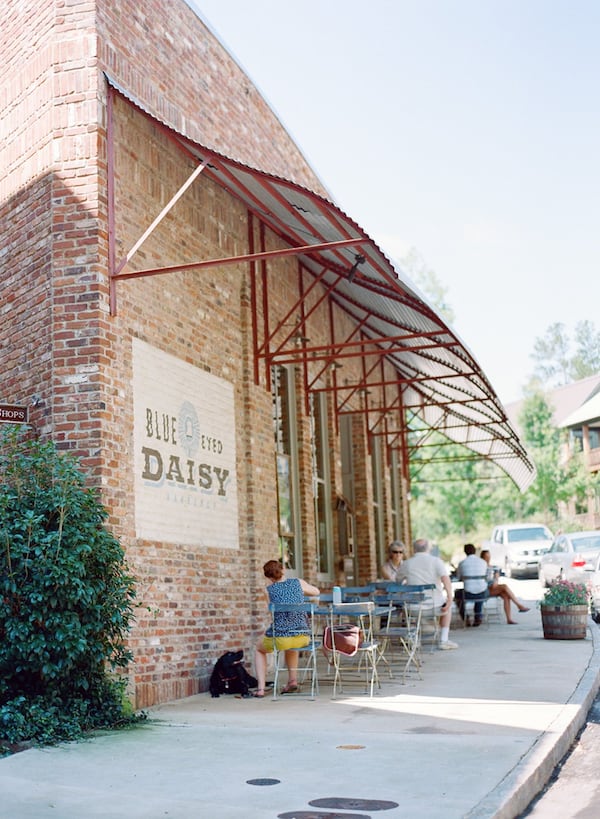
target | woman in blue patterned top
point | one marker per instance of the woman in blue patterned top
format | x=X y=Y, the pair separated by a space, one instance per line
x=293 y=625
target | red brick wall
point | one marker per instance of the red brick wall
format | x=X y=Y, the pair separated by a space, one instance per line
x=164 y=55
x=49 y=110
x=60 y=342
x=25 y=307
x=201 y=317
x=25 y=207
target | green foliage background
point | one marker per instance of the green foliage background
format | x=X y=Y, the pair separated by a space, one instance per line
x=456 y=499
x=66 y=599
x=459 y=499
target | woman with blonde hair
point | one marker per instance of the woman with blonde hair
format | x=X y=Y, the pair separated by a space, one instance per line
x=292 y=625
x=396 y=554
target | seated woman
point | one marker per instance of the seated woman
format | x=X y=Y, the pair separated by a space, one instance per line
x=292 y=624
x=501 y=589
x=396 y=554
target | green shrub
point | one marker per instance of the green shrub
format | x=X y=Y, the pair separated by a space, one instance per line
x=66 y=598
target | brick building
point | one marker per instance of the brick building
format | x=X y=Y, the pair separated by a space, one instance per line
x=233 y=359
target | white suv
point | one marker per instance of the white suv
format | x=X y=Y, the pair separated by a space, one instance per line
x=517 y=547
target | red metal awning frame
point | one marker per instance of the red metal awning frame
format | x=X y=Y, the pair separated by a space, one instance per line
x=436 y=377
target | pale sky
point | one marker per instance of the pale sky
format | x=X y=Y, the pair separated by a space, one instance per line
x=467 y=129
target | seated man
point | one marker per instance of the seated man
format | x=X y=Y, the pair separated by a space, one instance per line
x=425 y=568
x=473 y=573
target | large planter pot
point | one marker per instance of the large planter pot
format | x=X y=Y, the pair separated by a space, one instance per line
x=564 y=622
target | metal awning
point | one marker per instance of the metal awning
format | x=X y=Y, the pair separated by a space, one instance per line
x=437 y=379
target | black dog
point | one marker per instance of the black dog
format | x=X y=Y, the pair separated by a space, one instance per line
x=230 y=677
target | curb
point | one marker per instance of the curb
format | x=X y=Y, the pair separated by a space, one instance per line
x=528 y=778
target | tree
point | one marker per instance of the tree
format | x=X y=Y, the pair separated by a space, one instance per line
x=453 y=492
x=556 y=364
x=557 y=481
x=586 y=360
x=551 y=354
x=66 y=599
x=426 y=279
x=453 y=496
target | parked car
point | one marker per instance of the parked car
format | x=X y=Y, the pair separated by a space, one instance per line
x=517 y=547
x=572 y=556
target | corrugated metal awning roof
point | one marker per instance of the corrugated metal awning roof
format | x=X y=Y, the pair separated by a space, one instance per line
x=442 y=383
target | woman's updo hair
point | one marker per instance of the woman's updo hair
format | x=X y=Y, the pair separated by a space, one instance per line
x=273 y=570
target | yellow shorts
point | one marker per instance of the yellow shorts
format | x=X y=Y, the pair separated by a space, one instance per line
x=283 y=643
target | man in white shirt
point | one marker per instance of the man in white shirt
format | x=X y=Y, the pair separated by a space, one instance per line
x=473 y=573
x=425 y=569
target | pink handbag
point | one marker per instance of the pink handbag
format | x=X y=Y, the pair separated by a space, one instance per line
x=346 y=637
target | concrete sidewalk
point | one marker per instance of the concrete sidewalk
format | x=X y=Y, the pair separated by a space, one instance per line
x=477 y=737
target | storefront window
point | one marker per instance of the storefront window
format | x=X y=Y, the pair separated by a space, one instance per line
x=397 y=528
x=286 y=463
x=321 y=478
x=378 y=505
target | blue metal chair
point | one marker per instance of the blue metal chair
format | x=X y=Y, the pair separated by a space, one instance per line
x=403 y=627
x=309 y=652
x=466 y=603
x=363 y=652
x=356 y=594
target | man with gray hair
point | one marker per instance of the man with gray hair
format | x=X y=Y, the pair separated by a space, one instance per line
x=424 y=568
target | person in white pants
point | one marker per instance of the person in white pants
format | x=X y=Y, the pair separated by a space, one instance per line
x=424 y=568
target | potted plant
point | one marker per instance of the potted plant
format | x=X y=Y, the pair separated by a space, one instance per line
x=565 y=609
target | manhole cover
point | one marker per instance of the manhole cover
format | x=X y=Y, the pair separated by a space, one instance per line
x=263 y=781
x=340 y=803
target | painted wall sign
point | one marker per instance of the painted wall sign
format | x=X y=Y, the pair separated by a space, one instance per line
x=13 y=415
x=185 y=460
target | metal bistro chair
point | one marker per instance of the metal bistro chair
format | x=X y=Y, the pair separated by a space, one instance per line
x=468 y=600
x=494 y=605
x=493 y=609
x=356 y=594
x=403 y=627
x=362 y=649
x=421 y=603
x=308 y=668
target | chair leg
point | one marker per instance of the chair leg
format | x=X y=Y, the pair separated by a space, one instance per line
x=382 y=649
x=372 y=661
x=337 y=676
x=275 y=674
x=311 y=669
x=304 y=668
x=470 y=615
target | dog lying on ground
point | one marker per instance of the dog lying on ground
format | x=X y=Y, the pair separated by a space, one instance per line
x=230 y=677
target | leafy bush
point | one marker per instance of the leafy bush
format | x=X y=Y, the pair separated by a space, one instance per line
x=66 y=598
